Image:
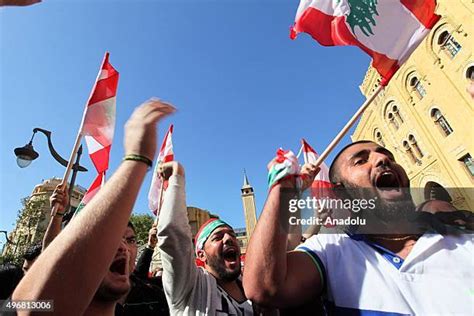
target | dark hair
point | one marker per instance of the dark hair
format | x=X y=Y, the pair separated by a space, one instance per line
x=32 y=252
x=333 y=172
x=130 y=224
x=10 y=276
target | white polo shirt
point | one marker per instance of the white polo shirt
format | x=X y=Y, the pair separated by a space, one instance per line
x=362 y=278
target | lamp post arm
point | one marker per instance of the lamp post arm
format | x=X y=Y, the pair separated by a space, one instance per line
x=6 y=237
x=54 y=153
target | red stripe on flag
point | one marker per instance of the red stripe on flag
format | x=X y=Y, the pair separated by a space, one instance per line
x=330 y=30
x=165 y=140
x=100 y=159
x=105 y=89
x=422 y=10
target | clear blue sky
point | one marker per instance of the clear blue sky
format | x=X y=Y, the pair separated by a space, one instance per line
x=242 y=87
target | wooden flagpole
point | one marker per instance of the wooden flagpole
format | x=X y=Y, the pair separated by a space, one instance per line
x=348 y=125
x=161 y=200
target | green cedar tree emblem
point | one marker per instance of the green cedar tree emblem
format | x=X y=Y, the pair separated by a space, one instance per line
x=362 y=15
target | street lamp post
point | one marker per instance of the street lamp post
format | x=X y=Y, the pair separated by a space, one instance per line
x=26 y=154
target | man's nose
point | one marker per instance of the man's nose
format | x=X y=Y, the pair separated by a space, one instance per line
x=122 y=247
x=228 y=239
x=381 y=160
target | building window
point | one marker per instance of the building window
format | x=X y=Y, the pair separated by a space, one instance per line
x=393 y=122
x=449 y=44
x=396 y=113
x=441 y=121
x=470 y=73
x=414 y=145
x=417 y=85
x=468 y=163
x=409 y=152
x=379 y=138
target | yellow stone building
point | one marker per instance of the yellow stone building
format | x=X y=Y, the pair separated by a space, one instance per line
x=25 y=232
x=196 y=217
x=425 y=115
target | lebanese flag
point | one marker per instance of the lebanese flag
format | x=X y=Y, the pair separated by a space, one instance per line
x=389 y=30
x=321 y=185
x=99 y=117
x=92 y=191
x=165 y=155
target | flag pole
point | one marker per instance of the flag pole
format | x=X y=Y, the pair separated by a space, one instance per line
x=79 y=136
x=161 y=200
x=348 y=125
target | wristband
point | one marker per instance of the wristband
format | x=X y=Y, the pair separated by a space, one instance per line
x=59 y=214
x=140 y=158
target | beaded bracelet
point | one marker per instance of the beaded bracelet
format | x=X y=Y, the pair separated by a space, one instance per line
x=141 y=158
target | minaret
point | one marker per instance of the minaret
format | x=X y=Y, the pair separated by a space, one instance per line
x=248 y=201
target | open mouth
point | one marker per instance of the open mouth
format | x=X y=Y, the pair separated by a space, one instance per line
x=387 y=180
x=388 y=185
x=230 y=254
x=119 y=266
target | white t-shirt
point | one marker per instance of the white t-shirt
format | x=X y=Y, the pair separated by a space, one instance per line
x=360 y=277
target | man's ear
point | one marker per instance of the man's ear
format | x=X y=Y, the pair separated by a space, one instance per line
x=340 y=191
x=201 y=255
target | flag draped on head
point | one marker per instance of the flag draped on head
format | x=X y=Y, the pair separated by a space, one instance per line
x=165 y=155
x=99 y=124
x=389 y=31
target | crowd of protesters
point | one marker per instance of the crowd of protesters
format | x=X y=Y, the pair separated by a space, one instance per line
x=420 y=265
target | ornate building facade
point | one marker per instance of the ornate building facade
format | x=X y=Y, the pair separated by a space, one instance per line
x=425 y=115
x=31 y=227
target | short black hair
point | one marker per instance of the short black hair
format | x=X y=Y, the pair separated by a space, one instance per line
x=130 y=224
x=32 y=252
x=333 y=173
x=10 y=276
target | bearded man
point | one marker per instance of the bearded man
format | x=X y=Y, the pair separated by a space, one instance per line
x=397 y=265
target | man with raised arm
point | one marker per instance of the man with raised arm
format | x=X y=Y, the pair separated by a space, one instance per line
x=83 y=258
x=396 y=265
x=215 y=289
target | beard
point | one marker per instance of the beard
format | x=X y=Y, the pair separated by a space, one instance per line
x=395 y=211
x=388 y=215
x=218 y=265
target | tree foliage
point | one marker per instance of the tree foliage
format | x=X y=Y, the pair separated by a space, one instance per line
x=142 y=224
x=30 y=227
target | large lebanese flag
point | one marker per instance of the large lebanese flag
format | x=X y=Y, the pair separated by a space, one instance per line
x=99 y=117
x=166 y=154
x=388 y=30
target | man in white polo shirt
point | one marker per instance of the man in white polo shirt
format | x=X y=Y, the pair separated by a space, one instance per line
x=396 y=265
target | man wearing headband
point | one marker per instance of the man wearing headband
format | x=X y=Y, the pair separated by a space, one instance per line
x=190 y=290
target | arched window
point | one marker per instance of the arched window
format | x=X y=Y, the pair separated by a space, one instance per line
x=396 y=113
x=409 y=151
x=470 y=73
x=417 y=85
x=414 y=145
x=441 y=121
x=379 y=137
x=392 y=121
x=448 y=43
